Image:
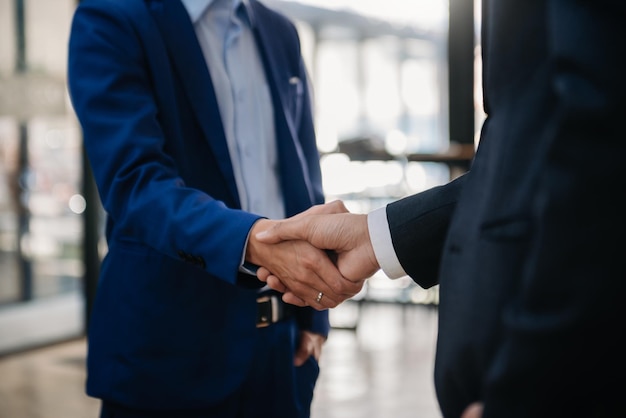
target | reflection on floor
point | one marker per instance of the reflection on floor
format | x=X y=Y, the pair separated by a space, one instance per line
x=379 y=366
x=46 y=383
x=383 y=368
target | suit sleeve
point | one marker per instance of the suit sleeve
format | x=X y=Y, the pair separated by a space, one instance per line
x=418 y=225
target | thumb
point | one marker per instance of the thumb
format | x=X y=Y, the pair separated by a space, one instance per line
x=302 y=354
x=282 y=231
x=299 y=226
x=336 y=206
x=474 y=410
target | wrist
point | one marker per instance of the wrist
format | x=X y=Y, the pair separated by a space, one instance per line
x=253 y=254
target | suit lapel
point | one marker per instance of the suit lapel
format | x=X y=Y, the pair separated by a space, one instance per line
x=184 y=50
x=295 y=180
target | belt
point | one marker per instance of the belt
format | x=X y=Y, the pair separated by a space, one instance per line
x=271 y=309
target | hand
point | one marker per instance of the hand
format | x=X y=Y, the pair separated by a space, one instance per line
x=297 y=262
x=344 y=233
x=475 y=410
x=310 y=345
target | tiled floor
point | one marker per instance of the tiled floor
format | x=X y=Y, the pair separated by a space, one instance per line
x=381 y=369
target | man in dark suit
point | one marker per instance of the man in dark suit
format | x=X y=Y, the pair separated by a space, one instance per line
x=197 y=122
x=528 y=246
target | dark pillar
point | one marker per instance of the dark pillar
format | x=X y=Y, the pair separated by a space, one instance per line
x=461 y=45
x=91 y=235
x=23 y=168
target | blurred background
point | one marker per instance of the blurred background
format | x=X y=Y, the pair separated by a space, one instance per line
x=397 y=100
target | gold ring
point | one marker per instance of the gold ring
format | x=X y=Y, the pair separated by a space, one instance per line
x=319 y=297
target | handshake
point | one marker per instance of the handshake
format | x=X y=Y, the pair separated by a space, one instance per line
x=318 y=258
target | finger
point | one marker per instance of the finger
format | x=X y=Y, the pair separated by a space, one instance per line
x=308 y=287
x=275 y=283
x=310 y=345
x=336 y=206
x=333 y=284
x=284 y=230
x=305 y=271
x=475 y=410
x=305 y=293
x=320 y=300
x=292 y=298
x=296 y=230
x=323 y=301
x=303 y=352
x=289 y=297
x=307 y=282
x=262 y=274
x=347 y=289
x=311 y=290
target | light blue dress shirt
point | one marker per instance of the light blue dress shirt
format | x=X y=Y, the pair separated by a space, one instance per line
x=225 y=32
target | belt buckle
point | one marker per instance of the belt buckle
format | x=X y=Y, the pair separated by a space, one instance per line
x=265 y=321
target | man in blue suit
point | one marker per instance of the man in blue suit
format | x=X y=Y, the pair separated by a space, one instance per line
x=197 y=122
x=528 y=247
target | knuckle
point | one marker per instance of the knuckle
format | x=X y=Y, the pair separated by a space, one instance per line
x=340 y=206
x=310 y=260
x=337 y=287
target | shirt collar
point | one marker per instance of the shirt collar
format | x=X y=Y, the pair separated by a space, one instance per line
x=196 y=8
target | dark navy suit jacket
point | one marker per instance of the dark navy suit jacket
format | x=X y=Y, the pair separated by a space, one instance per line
x=173 y=325
x=528 y=247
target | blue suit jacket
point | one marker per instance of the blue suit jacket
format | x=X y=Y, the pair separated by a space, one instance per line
x=173 y=324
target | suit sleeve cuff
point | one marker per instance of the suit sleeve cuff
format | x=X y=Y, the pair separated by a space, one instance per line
x=380 y=237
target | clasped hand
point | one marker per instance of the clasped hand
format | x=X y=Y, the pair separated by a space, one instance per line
x=318 y=258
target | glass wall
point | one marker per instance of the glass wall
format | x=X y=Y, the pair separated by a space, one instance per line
x=40 y=178
x=379 y=76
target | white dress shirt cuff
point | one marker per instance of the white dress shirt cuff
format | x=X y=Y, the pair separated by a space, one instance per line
x=380 y=237
x=244 y=266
